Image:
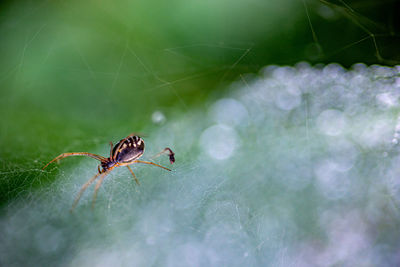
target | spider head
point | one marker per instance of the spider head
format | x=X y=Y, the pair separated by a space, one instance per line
x=106 y=165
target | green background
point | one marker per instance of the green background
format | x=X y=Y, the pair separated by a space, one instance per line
x=97 y=70
x=75 y=75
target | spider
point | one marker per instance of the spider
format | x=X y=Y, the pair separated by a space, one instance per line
x=126 y=152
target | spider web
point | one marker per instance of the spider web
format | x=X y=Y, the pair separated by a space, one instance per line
x=292 y=166
x=339 y=157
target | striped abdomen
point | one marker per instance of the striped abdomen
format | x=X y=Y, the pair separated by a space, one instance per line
x=128 y=149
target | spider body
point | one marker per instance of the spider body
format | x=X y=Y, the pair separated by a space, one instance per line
x=106 y=165
x=126 y=152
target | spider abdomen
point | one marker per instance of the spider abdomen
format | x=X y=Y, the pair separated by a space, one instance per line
x=128 y=149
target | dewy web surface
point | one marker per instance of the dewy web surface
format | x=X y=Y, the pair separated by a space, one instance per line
x=296 y=166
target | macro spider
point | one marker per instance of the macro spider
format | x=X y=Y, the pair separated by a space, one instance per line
x=126 y=152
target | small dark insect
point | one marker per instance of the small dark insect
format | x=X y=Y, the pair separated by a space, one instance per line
x=126 y=152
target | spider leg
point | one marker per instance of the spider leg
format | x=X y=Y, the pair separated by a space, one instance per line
x=96 y=189
x=64 y=155
x=134 y=176
x=111 y=144
x=170 y=154
x=151 y=163
x=83 y=188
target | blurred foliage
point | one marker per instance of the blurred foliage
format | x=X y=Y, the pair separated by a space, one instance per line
x=298 y=166
x=73 y=70
x=75 y=75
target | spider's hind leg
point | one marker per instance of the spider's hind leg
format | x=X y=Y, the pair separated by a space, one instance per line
x=134 y=176
x=98 y=168
x=96 y=189
x=111 y=150
x=83 y=188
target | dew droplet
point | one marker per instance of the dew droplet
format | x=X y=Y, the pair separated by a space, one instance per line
x=230 y=112
x=332 y=122
x=219 y=141
x=287 y=101
x=158 y=117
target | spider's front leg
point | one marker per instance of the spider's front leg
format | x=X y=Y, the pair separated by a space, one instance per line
x=171 y=154
x=64 y=155
x=151 y=163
